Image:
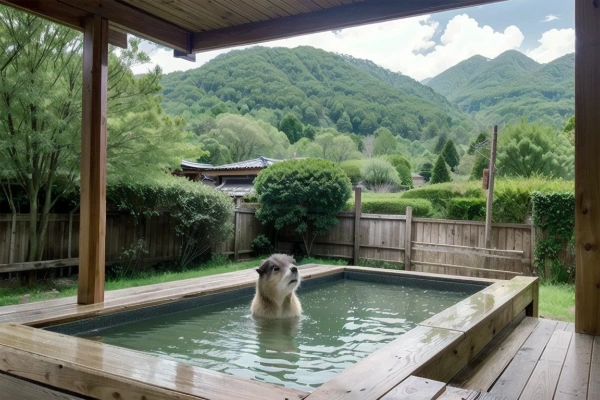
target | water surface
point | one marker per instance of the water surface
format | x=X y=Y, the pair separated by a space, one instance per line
x=342 y=323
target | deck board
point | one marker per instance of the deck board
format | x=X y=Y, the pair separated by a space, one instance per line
x=513 y=380
x=594 y=384
x=575 y=375
x=544 y=379
x=18 y=389
x=103 y=371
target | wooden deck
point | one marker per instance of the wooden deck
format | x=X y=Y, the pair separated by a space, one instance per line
x=37 y=364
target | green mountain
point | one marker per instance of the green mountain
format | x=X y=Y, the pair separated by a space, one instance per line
x=319 y=87
x=511 y=87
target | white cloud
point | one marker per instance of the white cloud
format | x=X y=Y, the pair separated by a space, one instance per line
x=553 y=44
x=550 y=18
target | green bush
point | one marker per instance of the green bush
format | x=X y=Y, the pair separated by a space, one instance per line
x=302 y=193
x=469 y=209
x=554 y=219
x=261 y=245
x=421 y=208
x=352 y=169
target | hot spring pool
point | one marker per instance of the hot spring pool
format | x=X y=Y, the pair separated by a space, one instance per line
x=343 y=321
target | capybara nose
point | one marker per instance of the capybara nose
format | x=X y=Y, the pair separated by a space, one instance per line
x=294 y=269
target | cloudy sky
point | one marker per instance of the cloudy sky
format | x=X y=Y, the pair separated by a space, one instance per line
x=424 y=46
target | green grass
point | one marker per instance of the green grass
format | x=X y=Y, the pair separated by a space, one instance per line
x=13 y=293
x=557 y=302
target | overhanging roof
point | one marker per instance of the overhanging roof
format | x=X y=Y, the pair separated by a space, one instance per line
x=192 y=26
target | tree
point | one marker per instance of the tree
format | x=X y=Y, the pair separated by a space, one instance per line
x=335 y=148
x=569 y=130
x=40 y=125
x=426 y=170
x=440 y=172
x=385 y=142
x=309 y=132
x=481 y=144
x=242 y=136
x=310 y=116
x=528 y=149
x=402 y=165
x=343 y=123
x=292 y=127
x=368 y=145
x=451 y=155
x=380 y=175
x=480 y=164
x=441 y=142
x=302 y=194
x=216 y=153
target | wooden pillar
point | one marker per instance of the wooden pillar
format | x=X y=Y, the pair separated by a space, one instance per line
x=237 y=229
x=92 y=230
x=408 y=239
x=587 y=166
x=357 y=212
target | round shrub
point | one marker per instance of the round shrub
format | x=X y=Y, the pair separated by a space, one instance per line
x=302 y=193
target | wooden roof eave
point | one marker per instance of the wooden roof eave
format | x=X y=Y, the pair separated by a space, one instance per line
x=160 y=27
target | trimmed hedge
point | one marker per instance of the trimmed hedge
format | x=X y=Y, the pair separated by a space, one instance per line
x=421 y=208
x=469 y=209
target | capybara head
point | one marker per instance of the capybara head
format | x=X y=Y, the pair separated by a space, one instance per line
x=278 y=277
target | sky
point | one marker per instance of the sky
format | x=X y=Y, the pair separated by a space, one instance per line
x=424 y=46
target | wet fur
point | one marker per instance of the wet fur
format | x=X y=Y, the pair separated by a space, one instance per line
x=275 y=290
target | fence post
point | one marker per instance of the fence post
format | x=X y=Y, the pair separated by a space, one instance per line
x=408 y=239
x=357 y=211
x=236 y=236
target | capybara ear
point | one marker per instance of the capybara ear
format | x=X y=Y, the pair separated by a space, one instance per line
x=260 y=271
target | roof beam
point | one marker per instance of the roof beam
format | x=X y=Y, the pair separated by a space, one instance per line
x=366 y=12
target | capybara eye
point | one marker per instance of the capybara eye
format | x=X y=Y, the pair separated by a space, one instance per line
x=275 y=268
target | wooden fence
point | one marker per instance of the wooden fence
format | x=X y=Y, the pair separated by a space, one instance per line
x=428 y=245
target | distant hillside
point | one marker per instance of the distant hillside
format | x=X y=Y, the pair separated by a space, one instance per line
x=318 y=86
x=510 y=87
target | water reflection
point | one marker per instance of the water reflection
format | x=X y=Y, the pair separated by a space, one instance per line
x=342 y=323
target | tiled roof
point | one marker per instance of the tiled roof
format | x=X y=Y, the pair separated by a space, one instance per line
x=194 y=165
x=260 y=162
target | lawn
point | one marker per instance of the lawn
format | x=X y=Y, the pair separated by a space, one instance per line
x=557 y=301
x=13 y=292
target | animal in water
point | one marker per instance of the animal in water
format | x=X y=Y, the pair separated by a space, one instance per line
x=278 y=279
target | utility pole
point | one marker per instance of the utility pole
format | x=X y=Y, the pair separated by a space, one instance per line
x=490 y=194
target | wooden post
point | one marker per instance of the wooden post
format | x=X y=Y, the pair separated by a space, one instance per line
x=13 y=237
x=357 y=212
x=236 y=236
x=92 y=230
x=587 y=167
x=408 y=239
x=490 y=195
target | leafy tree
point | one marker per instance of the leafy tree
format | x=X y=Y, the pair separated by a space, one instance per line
x=402 y=165
x=432 y=130
x=215 y=152
x=368 y=146
x=451 y=155
x=220 y=108
x=244 y=138
x=292 y=127
x=343 y=123
x=201 y=126
x=441 y=142
x=529 y=149
x=569 y=130
x=336 y=148
x=480 y=164
x=310 y=116
x=426 y=170
x=309 y=132
x=385 y=142
x=380 y=175
x=440 y=172
x=40 y=125
x=481 y=144
x=302 y=194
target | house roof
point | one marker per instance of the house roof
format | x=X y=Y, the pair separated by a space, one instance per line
x=416 y=176
x=194 y=165
x=260 y=162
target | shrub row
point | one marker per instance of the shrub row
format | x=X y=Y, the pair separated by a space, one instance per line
x=469 y=209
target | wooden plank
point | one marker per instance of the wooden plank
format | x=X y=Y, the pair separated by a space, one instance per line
x=544 y=378
x=92 y=229
x=504 y=273
x=454 y=393
x=408 y=238
x=515 y=376
x=594 y=385
x=18 y=389
x=481 y=373
x=322 y=20
x=65 y=362
x=415 y=388
x=357 y=211
x=479 y=251
x=575 y=374
x=476 y=224
x=380 y=372
x=587 y=167
x=37 y=265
